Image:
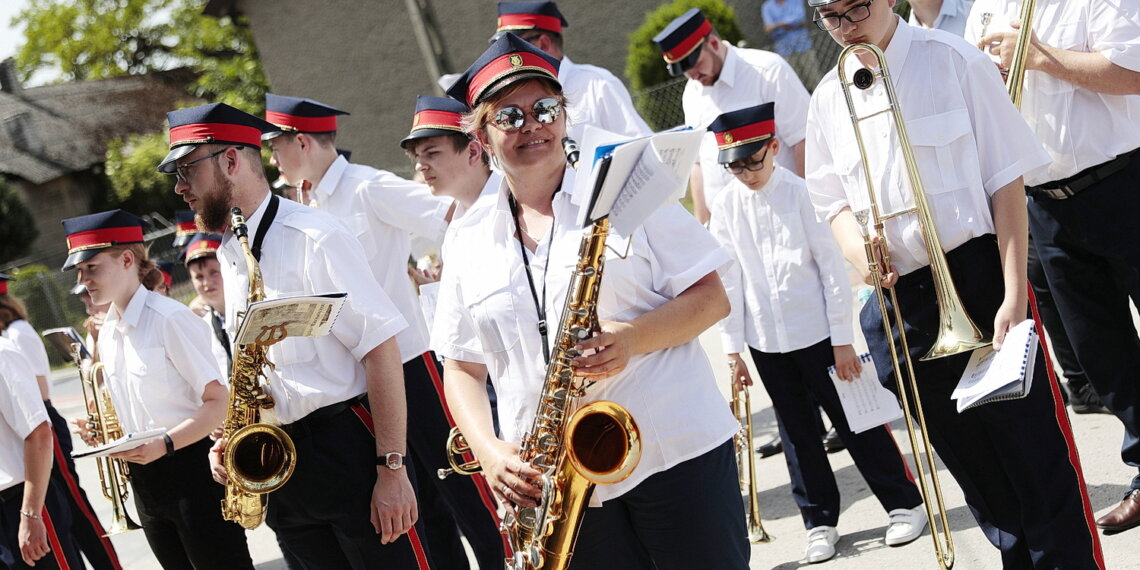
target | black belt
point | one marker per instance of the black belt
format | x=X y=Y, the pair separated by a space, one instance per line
x=15 y=492
x=317 y=419
x=1081 y=181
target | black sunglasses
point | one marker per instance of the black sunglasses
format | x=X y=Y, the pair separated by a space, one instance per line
x=510 y=119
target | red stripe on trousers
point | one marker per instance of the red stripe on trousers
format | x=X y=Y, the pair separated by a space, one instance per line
x=53 y=540
x=365 y=418
x=480 y=481
x=1062 y=418
x=906 y=466
x=73 y=490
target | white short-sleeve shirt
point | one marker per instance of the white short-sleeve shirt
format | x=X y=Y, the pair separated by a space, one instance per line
x=1079 y=127
x=788 y=287
x=384 y=211
x=158 y=361
x=21 y=411
x=967 y=137
x=749 y=77
x=598 y=98
x=308 y=251
x=30 y=343
x=487 y=315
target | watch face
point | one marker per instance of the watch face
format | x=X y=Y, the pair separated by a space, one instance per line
x=394 y=460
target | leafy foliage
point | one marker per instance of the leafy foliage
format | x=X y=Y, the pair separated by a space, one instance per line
x=137 y=185
x=644 y=66
x=18 y=230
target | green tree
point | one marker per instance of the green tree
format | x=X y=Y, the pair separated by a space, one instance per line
x=645 y=69
x=18 y=230
x=136 y=185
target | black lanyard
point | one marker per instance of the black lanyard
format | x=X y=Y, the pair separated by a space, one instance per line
x=263 y=226
x=539 y=306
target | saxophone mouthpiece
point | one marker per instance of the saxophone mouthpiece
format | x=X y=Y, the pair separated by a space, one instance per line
x=237 y=223
x=571 y=147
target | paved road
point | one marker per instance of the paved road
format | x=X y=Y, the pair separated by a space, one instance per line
x=862 y=523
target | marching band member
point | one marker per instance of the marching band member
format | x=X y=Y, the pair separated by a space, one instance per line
x=350 y=501
x=1082 y=100
x=596 y=96
x=85 y=527
x=384 y=211
x=653 y=305
x=160 y=374
x=722 y=78
x=1014 y=460
x=34 y=517
x=201 y=261
x=791 y=306
x=947 y=15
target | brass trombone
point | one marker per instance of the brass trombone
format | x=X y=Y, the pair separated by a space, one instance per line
x=746 y=462
x=1015 y=79
x=957 y=333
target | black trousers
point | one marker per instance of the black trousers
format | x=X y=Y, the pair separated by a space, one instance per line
x=56 y=515
x=796 y=381
x=1014 y=460
x=180 y=510
x=688 y=516
x=85 y=526
x=1087 y=245
x=460 y=501
x=322 y=516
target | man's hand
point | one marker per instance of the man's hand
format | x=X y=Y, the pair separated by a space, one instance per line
x=847 y=364
x=738 y=370
x=393 y=504
x=33 y=540
x=1004 y=44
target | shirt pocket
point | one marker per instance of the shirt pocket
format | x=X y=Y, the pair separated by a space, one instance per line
x=292 y=351
x=147 y=371
x=361 y=227
x=939 y=143
x=493 y=312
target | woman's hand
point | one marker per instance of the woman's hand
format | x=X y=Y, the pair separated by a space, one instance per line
x=1010 y=313
x=33 y=540
x=613 y=347
x=847 y=364
x=217 y=460
x=512 y=480
x=145 y=453
x=738 y=370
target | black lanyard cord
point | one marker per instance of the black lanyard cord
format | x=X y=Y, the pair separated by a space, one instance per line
x=263 y=226
x=539 y=306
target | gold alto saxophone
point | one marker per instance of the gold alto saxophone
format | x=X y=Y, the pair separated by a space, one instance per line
x=574 y=447
x=259 y=457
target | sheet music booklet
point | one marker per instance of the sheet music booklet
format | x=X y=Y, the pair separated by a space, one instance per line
x=273 y=320
x=1006 y=374
x=628 y=179
x=866 y=403
x=125 y=443
x=62 y=338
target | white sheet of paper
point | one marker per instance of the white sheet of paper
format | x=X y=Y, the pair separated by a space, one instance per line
x=429 y=295
x=866 y=403
x=125 y=443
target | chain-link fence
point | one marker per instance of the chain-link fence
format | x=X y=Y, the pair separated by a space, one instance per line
x=46 y=291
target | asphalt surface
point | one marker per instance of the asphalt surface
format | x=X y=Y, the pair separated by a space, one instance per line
x=862 y=523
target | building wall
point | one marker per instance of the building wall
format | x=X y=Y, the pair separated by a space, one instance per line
x=363 y=56
x=64 y=197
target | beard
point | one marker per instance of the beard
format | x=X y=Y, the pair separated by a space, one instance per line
x=214 y=214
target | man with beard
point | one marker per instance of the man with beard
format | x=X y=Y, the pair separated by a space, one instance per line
x=338 y=500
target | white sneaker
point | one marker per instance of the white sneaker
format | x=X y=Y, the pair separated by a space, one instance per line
x=906 y=525
x=821 y=544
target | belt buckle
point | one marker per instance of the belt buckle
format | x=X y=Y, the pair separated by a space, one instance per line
x=1061 y=192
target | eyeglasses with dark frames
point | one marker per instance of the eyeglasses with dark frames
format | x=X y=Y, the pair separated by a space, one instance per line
x=857 y=13
x=510 y=119
x=739 y=166
x=182 y=172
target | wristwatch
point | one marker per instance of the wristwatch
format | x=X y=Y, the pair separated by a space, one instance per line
x=393 y=460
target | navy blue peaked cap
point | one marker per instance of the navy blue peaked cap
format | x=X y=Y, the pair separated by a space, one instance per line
x=506 y=61
x=681 y=41
x=215 y=123
x=742 y=133
x=297 y=114
x=531 y=15
x=88 y=235
x=436 y=117
x=184 y=227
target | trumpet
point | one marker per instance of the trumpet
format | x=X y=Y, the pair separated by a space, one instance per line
x=957 y=333
x=746 y=462
x=104 y=422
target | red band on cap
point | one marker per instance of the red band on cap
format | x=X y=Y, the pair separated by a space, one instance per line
x=200 y=133
x=687 y=45
x=432 y=119
x=510 y=22
x=503 y=66
x=3 y=287
x=745 y=134
x=201 y=248
x=167 y=279
x=186 y=228
x=103 y=236
x=303 y=124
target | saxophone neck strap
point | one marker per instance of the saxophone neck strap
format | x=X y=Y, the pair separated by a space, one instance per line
x=263 y=226
x=539 y=305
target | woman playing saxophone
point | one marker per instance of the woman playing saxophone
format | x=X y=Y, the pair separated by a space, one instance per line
x=512 y=257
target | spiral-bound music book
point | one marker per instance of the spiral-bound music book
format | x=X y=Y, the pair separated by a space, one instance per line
x=997 y=375
x=866 y=403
